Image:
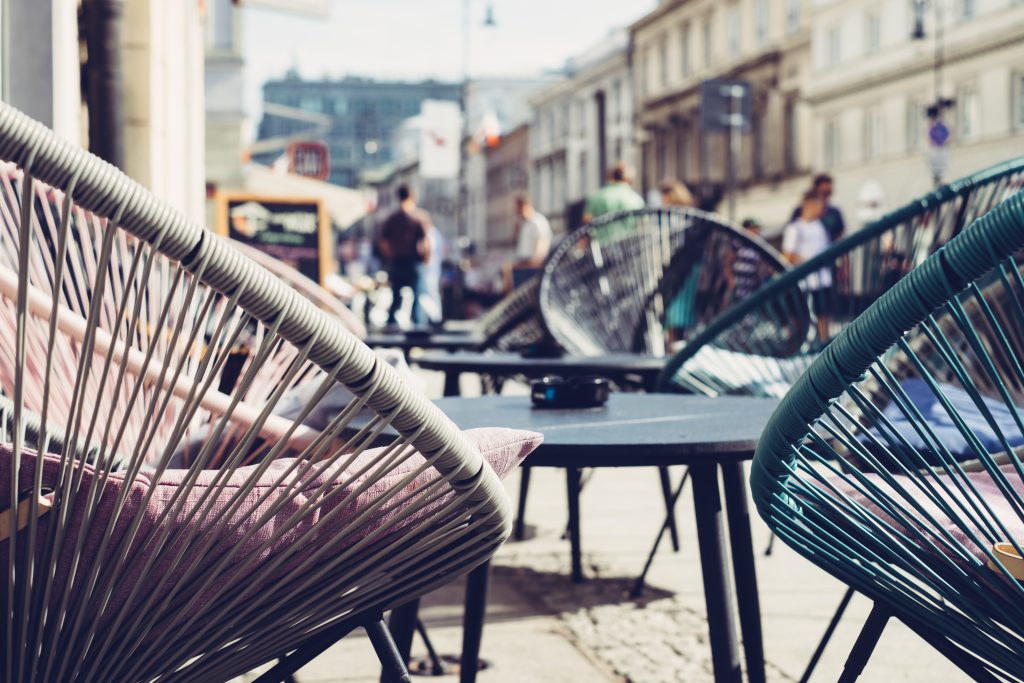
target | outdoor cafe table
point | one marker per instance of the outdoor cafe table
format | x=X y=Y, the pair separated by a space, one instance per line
x=710 y=435
x=443 y=341
x=628 y=367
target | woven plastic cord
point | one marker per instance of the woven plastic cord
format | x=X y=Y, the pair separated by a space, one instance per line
x=894 y=462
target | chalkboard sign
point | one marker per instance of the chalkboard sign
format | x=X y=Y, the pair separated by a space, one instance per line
x=296 y=232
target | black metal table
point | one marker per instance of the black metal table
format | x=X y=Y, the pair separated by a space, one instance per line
x=443 y=341
x=630 y=368
x=639 y=430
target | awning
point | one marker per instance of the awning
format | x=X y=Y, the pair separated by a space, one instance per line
x=345 y=206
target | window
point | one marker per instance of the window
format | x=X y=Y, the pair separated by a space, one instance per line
x=1018 y=100
x=706 y=40
x=872 y=140
x=967 y=9
x=761 y=23
x=733 y=31
x=311 y=104
x=789 y=127
x=340 y=106
x=663 y=60
x=968 y=112
x=792 y=16
x=758 y=146
x=915 y=119
x=682 y=165
x=615 y=103
x=684 y=47
x=833 y=47
x=831 y=143
x=660 y=152
x=872 y=32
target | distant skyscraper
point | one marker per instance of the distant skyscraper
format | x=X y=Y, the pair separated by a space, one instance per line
x=356 y=116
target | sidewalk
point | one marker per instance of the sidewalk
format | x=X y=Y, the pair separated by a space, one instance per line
x=542 y=627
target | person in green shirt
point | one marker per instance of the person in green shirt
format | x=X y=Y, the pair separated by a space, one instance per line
x=618 y=195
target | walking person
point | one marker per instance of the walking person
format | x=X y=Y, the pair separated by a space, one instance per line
x=617 y=195
x=405 y=247
x=831 y=216
x=803 y=239
x=533 y=242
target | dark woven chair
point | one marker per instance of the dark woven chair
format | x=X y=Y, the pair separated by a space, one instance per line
x=894 y=462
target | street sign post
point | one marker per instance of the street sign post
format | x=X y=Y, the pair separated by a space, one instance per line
x=725 y=105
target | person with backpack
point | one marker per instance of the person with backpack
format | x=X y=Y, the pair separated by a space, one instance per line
x=831 y=217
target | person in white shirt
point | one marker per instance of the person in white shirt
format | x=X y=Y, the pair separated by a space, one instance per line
x=533 y=242
x=803 y=239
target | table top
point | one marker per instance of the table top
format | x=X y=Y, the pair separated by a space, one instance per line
x=469 y=361
x=631 y=430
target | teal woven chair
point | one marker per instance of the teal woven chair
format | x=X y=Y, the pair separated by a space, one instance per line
x=894 y=462
x=761 y=345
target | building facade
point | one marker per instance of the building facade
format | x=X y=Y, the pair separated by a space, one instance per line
x=507 y=175
x=765 y=42
x=872 y=86
x=581 y=125
x=357 y=117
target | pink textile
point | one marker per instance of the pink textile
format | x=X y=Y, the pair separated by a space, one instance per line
x=504 y=449
x=986 y=487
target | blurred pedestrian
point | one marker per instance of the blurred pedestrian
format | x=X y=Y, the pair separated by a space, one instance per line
x=617 y=195
x=533 y=242
x=430 y=291
x=747 y=262
x=831 y=217
x=674 y=193
x=803 y=239
x=405 y=248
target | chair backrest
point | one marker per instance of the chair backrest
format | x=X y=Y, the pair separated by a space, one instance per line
x=622 y=282
x=121 y=319
x=762 y=345
x=306 y=287
x=895 y=462
x=513 y=323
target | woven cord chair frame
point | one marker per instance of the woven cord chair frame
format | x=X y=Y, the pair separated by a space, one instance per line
x=891 y=509
x=762 y=344
x=122 y=315
x=616 y=284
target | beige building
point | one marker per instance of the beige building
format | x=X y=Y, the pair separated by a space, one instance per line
x=766 y=42
x=871 y=84
x=581 y=125
x=507 y=169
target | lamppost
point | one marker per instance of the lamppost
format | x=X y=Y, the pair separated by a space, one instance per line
x=938 y=131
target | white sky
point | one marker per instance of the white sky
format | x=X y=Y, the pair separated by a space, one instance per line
x=423 y=38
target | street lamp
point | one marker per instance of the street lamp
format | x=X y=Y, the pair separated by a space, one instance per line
x=938 y=133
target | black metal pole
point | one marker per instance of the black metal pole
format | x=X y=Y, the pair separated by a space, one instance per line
x=103 y=79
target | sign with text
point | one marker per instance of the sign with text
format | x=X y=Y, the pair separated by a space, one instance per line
x=311 y=159
x=725 y=104
x=295 y=231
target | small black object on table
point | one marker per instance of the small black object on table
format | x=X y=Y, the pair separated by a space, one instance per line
x=621 y=368
x=642 y=430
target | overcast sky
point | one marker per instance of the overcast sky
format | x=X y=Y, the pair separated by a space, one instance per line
x=423 y=38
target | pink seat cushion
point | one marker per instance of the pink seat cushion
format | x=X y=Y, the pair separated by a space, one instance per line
x=240 y=529
x=960 y=527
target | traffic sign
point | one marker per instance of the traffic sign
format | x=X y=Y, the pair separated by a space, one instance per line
x=725 y=104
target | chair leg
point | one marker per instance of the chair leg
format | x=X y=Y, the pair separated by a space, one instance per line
x=392 y=662
x=638 y=586
x=827 y=636
x=771 y=544
x=670 y=508
x=865 y=645
x=519 y=530
x=473 y=622
x=402 y=626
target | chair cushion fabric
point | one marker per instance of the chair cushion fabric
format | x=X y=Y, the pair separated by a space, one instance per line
x=357 y=501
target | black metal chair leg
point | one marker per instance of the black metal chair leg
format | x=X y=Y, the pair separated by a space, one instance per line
x=771 y=545
x=436 y=665
x=572 y=480
x=402 y=626
x=473 y=622
x=865 y=645
x=670 y=508
x=519 y=530
x=638 y=585
x=392 y=662
x=827 y=636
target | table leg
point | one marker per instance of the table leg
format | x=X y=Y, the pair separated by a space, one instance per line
x=473 y=621
x=451 y=382
x=519 y=527
x=572 y=481
x=402 y=625
x=670 y=508
x=742 y=546
x=718 y=596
